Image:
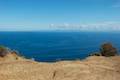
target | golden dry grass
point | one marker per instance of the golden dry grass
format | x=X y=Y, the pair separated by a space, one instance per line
x=92 y=68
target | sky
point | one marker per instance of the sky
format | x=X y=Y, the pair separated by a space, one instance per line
x=35 y=15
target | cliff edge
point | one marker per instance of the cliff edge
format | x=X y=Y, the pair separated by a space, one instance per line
x=14 y=67
x=92 y=68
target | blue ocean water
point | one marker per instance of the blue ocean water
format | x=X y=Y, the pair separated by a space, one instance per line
x=52 y=46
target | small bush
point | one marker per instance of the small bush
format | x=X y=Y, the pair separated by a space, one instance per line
x=2 y=51
x=108 y=50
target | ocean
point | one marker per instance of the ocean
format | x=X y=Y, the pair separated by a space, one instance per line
x=54 y=46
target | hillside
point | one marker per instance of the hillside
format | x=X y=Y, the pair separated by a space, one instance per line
x=92 y=68
x=104 y=65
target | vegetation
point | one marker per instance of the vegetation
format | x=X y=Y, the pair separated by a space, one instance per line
x=106 y=50
x=2 y=51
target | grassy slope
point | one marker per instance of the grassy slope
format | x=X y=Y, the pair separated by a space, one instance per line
x=92 y=68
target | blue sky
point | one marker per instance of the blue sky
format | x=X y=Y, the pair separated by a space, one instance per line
x=21 y=15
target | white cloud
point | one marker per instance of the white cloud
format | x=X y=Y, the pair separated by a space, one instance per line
x=105 y=26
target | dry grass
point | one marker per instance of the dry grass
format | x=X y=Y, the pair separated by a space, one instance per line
x=92 y=68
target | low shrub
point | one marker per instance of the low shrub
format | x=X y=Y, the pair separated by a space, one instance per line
x=108 y=50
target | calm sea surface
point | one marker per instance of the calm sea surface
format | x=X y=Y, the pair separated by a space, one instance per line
x=52 y=46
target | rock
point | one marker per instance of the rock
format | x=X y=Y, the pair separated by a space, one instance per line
x=95 y=54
